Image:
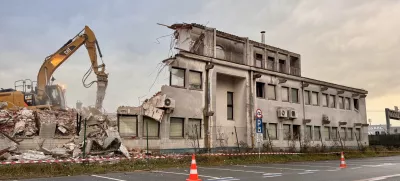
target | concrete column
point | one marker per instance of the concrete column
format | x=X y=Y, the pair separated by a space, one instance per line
x=288 y=64
x=276 y=66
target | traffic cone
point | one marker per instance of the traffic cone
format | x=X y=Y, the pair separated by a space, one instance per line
x=193 y=176
x=342 y=162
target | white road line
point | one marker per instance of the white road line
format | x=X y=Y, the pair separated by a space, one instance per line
x=333 y=170
x=302 y=173
x=224 y=179
x=109 y=178
x=187 y=174
x=233 y=170
x=380 y=178
x=271 y=167
x=272 y=174
x=355 y=168
x=311 y=165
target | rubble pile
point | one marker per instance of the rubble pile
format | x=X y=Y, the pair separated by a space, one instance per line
x=102 y=136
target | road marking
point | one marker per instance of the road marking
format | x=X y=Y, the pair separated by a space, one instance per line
x=333 y=170
x=380 y=178
x=187 y=174
x=311 y=165
x=224 y=179
x=271 y=167
x=384 y=164
x=270 y=175
x=356 y=168
x=233 y=170
x=302 y=173
x=109 y=178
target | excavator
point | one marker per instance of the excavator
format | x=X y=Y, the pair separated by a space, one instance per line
x=48 y=95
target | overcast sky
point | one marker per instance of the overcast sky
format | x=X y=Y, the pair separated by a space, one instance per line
x=354 y=43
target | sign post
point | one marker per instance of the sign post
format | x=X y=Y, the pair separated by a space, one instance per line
x=259 y=130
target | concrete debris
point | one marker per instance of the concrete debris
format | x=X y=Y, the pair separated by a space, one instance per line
x=102 y=136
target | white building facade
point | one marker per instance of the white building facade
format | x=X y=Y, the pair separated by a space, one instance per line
x=219 y=80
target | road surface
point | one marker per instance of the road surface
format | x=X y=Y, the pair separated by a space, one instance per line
x=371 y=169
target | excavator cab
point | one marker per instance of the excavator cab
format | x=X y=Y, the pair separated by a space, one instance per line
x=55 y=96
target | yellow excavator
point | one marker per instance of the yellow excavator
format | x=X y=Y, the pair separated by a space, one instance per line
x=47 y=95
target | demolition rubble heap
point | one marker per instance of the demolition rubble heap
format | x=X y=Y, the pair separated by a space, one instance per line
x=43 y=126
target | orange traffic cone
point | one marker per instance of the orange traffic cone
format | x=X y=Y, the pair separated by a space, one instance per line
x=193 y=171
x=342 y=162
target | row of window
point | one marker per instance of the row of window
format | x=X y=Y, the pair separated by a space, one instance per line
x=128 y=126
x=310 y=97
x=330 y=133
x=178 y=78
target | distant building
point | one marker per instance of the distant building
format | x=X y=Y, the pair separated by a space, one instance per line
x=219 y=80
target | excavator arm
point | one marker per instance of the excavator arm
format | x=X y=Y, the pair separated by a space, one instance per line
x=52 y=62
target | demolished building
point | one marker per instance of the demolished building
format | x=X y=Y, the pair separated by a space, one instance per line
x=217 y=82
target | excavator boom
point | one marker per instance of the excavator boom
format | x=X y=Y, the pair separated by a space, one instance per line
x=51 y=63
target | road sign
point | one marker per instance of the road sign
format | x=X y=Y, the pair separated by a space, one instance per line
x=258 y=113
x=259 y=128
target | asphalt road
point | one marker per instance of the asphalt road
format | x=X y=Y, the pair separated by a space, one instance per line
x=371 y=169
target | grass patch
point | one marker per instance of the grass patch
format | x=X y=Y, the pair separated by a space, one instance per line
x=69 y=169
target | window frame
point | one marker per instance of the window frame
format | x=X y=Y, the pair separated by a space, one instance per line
x=329 y=133
x=184 y=77
x=349 y=103
x=285 y=137
x=310 y=133
x=144 y=128
x=267 y=90
x=307 y=92
x=288 y=94
x=276 y=131
x=257 y=59
x=183 y=127
x=200 y=125
x=341 y=99
x=317 y=97
x=315 y=138
x=297 y=95
x=230 y=106
x=325 y=96
x=201 y=79
x=334 y=101
x=136 y=134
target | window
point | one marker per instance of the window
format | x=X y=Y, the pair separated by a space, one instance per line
x=176 y=127
x=308 y=133
x=286 y=132
x=341 y=102
x=347 y=103
x=195 y=80
x=334 y=133
x=296 y=132
x=271 y=92
x=153 y=127
x=177 y=77
x=230 y=105
x=273 y=131
x=282 y=66
x=271 y=63
x=220 y=52
x=260 y=89
x=317 y=133
x=127 y=125
x=332 y=102
x=349 y=134
x=314 y=98
x=194 y=128
x=307 y=97
x=258 y=58
x=285 y=94
x=356 y=105
x=295 y=95
x=342 y=134
x=265 y=130
x=325 y=100
x=358 y=134
x=327 y=133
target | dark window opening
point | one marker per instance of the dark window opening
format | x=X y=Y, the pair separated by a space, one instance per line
x=271 y=63
x=260 y=89
x=356 y=105
x=258 y=58
x=282 y=66
x=230 y=106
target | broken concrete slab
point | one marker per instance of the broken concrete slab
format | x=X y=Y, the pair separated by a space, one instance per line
x=124 y=151
x=58 y=151
x=5 y=156
x=47 y=130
